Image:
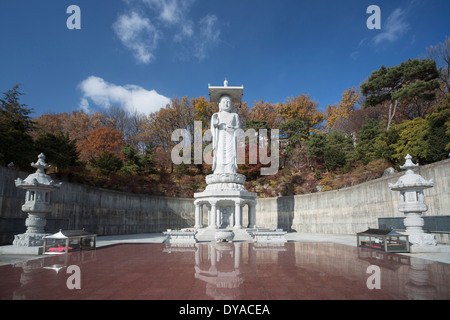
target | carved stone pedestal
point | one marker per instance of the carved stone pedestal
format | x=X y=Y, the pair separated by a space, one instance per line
x=224 y=197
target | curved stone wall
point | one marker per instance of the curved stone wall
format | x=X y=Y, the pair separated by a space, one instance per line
x=105 y=212
x=353 y=209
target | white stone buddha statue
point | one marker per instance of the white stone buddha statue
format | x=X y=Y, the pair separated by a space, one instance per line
x=223 y=127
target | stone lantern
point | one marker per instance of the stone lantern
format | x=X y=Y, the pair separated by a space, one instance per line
x=37 y=204
x=412 y=203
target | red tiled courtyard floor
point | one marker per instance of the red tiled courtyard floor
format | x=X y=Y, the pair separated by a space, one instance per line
x=244 y=271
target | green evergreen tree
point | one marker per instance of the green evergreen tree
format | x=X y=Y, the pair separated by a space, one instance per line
x=384 y=144
x=365 y=146
x=437 y=132
x=107 y=163
x=317 y=146
x=411 y=140
x=148 y=159
x=257 y=124
x=333 y=150
x=132 y=161
x=339 y=150
x=16 y=144
x=411 y=80
x=295 y=131
x=13 y=113
x=59 y=150
x=334 y=159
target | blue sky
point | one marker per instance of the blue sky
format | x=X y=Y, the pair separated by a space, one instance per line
x=139 y=53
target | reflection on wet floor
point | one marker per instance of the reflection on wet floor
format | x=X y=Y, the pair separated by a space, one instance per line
x=239 y=270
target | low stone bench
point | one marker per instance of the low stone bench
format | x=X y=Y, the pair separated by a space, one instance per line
x=251 y=231
x=180 y=236
x=270 y=236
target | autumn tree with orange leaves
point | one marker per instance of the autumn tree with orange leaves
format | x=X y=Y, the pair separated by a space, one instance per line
x=338 y=115
x=267 y=112
x=102 y=139
x=304 y=109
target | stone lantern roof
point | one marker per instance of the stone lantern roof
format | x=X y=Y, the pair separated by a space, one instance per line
x=410 y=180
x=408 y=163
x=38 y=179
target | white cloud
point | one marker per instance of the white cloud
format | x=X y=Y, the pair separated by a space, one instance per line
x=141 y=32
x=209 y=35
x=394 y=27
x=130 y=97
x=354 y=55
x=84 y=105
x=187 y=32
x=137 y=34
x=171 y=11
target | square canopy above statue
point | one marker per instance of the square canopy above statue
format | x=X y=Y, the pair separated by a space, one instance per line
x=235 y=93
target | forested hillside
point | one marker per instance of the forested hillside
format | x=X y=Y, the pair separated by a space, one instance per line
x=398 y=110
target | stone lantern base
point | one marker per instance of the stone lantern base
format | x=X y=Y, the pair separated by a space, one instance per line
x=414 y=229
x=29 y=239
x=424 y=239
x=34 y=236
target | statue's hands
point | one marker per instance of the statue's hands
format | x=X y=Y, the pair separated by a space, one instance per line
x=232 y=125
